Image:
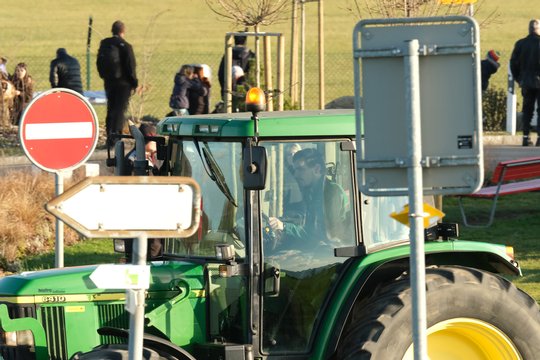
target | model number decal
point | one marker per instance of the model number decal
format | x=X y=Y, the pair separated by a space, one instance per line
x=53 y=299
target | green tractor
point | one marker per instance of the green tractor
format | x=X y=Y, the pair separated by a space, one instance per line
x=290 y=261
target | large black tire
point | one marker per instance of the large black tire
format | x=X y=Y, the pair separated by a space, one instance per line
x=464 y=305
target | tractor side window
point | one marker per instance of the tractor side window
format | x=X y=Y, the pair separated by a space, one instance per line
x=379 y=227
x=307 y=211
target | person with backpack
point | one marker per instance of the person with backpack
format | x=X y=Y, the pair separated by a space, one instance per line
x=66 y=72
x=241 y=56
x=116 y=66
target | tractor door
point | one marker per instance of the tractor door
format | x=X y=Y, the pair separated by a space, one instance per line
x=307 y=210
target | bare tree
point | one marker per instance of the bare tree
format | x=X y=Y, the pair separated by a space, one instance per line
x=416 y=8
x=251 y=13
x=150 y=44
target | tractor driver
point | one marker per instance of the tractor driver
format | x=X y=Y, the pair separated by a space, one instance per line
x=323 y=209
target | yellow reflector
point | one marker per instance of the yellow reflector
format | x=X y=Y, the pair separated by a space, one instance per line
x=510 y=252
x=431 y=215
x=255 y=100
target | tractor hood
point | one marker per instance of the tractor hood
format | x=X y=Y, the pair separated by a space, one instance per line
x=76 y=280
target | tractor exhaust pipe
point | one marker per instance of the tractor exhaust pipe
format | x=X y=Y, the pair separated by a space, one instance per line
x=140 y=165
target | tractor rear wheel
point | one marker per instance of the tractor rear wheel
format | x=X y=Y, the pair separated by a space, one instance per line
x=471 y=315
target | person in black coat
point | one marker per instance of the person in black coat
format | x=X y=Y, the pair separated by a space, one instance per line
x=66 y=72
x=241 y=56
x=121 y=83
x=199 y=97
x=525 y=68
x=185 y=84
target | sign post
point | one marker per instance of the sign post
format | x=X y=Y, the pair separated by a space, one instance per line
x=135 y=303
x=419 y=77
x=59 y=132
x=111 y=206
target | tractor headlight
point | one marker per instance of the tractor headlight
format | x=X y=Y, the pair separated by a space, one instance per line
x=18 y=338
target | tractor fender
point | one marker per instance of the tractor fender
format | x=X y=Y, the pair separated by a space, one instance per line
x=361 y=277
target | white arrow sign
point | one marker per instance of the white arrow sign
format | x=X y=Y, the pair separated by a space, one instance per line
x=121 y=276
x=123 y=206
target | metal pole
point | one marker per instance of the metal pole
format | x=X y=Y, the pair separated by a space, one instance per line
x=416 y=208
x=357 y=91
x=88 y=41
x=136 y=319
x=59 y=245
x=294 y=54
x=511 y=104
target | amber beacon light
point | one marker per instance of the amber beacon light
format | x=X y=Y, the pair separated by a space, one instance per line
x=255 y=100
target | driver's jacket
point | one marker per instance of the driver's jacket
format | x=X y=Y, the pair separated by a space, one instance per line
x=320 y=217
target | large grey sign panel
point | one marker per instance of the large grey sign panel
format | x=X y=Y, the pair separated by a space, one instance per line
x=450 y=104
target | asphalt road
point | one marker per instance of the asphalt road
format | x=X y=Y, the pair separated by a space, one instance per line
x=494 y=154
x=21 y=163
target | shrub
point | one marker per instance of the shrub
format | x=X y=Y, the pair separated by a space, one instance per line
x=494 y=109
x=26 y=227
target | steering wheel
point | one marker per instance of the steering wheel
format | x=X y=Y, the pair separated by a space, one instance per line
x=269 y=235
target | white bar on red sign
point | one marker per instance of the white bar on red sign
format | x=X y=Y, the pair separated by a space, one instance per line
x=64 y=130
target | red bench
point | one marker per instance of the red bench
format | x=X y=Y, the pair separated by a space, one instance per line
x=509 y=177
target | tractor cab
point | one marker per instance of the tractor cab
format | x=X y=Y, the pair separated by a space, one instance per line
x=280 y=217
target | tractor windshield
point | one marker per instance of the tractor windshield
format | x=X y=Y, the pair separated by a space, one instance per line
x=216 y=168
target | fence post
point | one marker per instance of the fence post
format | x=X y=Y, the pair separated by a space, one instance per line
x=321 y=56
x=268 y=74
x=88 y=41
x=227 y=73
x=281 y=71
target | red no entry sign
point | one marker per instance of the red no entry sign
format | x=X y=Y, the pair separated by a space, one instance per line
x=58 y=130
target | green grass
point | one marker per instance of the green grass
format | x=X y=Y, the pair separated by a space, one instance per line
x=188 y=32
x=516 y=224
x=86 y=252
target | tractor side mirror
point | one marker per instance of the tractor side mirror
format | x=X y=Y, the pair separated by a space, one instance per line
x=254 y=167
